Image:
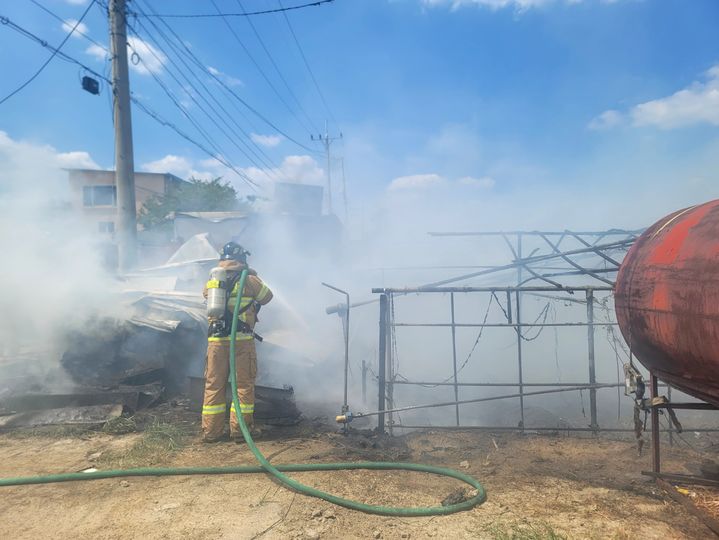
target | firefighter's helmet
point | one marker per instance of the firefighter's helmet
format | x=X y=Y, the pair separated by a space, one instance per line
x=233 y=251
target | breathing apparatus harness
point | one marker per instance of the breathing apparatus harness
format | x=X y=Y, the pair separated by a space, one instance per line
x=222 y=326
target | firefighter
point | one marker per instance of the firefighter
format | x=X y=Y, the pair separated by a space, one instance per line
x=233 y=258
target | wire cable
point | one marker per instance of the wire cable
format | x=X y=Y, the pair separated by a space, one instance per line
x=243 y=14
x=259 y=68
x=55 y=52
x=232 y=93
x=313 y=127
x=184 y=52
x=307 y=64
x=5 y=21
x=144 y=108
x=194 y=122
x=77 y=31
x=183 y=110
x=471 y=352
x=225 y=117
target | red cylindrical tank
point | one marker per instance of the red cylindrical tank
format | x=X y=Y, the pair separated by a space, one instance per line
x=667 y=300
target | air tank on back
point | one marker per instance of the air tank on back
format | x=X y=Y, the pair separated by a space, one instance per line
x=217 y=293
x=667 y=300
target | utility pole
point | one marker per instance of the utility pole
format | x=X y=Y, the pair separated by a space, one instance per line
x=124 y=160
x=327 y=141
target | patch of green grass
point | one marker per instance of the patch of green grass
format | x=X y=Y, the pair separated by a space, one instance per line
x=119 y=426
x=524 y=531
x=158 y=441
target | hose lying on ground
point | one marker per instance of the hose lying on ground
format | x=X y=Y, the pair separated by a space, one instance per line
x=277 y=471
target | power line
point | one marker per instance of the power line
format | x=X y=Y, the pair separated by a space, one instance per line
x=5 y=20
x=192 y=58
x=277 y=69
x=257 y=65
x=144 y=108
x=79 y=32
x=234 y=94
x=307 y=65
x=199 y=128
x=243 y=14
x=266 y=161
x=183 y=110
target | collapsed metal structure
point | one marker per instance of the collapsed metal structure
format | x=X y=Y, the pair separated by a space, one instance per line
x=591 y=258
x=580 y=273
x=388 y=377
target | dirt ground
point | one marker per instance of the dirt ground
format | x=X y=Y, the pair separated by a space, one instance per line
x=538 y=487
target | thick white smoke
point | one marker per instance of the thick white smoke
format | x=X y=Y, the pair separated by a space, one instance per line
x=51 y=278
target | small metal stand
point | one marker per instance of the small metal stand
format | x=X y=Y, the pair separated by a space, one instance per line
x=344 y=313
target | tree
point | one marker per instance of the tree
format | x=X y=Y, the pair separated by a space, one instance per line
x=193 y=196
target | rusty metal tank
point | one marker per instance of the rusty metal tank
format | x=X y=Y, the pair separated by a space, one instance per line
x=667 y=300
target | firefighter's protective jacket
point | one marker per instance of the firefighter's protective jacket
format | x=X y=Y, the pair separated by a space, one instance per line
x=255 y=293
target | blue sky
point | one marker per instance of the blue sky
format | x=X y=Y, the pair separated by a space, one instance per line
x=481 y=98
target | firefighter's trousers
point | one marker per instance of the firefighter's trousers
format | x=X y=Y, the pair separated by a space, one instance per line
x=217 y=370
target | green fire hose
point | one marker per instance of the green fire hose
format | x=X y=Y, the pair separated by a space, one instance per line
x=277 y=471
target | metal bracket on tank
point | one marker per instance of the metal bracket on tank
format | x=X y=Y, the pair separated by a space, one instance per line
x=662 y=402
x=633 y=382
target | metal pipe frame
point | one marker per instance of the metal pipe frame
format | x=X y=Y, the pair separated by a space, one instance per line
x=696 y=406
x=502 y=325
x=477 y=400
x=454 y=358
x=444 y=290
x=390 y=368
x=541 y=428
x=519 y=263
x=500 y=385
x=382 y=384
x=683 y=478
x=666 y=481
x=387 y=378
x=512 y=311
x=601 y=234
x=518 y=328
x=592 y=367
x=654 y=393
x=346 y=332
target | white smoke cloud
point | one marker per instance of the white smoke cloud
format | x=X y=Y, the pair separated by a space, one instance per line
x=52 y=276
